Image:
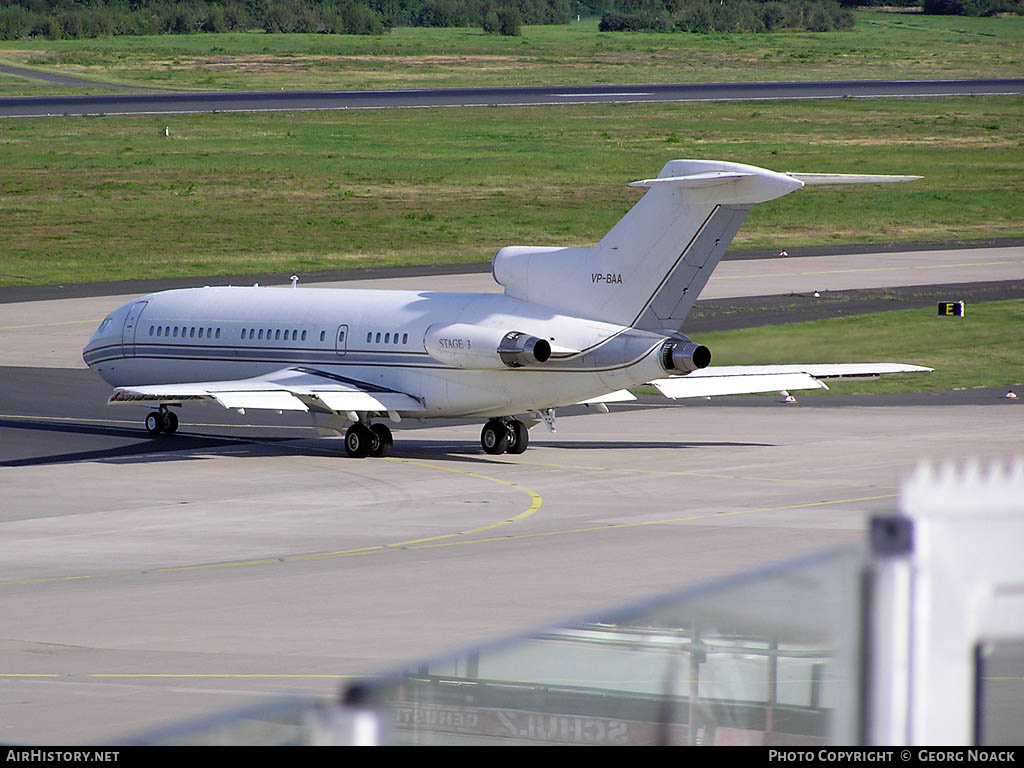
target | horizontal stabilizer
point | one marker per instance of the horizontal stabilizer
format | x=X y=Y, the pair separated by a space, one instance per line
x=695 y=180
x=821 y=179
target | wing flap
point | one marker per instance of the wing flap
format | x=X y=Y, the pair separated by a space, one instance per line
x=278 y=400
x=752 y=379
x=289 y=389
x=818 y=370
x=752 y=383
x=355 y=400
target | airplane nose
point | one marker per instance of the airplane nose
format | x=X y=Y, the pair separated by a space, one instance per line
x=102 y=337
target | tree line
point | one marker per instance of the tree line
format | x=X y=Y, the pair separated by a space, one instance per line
x=705 y=16
x=55 y=19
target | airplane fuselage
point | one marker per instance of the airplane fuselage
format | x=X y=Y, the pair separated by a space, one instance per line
x=406 y=341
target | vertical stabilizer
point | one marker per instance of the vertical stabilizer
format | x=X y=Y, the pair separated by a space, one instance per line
x=650 y=268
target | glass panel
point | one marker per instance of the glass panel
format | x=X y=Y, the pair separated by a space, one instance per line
x=1000 y=693
x=766 y=659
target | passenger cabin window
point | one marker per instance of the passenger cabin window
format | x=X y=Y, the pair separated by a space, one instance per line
x=323 y=335
x=405 y=338
x=303 y=335
x=218 y=333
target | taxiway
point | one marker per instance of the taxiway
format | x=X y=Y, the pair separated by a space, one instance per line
x=147 y=581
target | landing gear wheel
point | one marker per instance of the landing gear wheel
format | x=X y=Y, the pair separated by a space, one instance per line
x=381 y=440
x=170 y=422
x=519 y=436
x=154 y=423
x=357 y=441
x=494 y=438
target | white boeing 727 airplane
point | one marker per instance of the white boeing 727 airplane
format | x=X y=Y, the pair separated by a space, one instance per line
x=575 y=325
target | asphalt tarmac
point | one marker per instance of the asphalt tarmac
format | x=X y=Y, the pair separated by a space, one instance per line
x=144 y=581
x=271 y=101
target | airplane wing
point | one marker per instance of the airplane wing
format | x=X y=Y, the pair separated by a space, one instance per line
x=618 y=396
x=751 y=379
x=289 y=389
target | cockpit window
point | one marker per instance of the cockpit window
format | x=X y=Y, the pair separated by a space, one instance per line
x=104 y=324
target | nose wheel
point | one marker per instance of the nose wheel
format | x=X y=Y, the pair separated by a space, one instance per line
x=161 y=421
x=504 y=436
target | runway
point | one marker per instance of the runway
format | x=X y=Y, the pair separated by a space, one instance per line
x=147 y=581
x=269 y=101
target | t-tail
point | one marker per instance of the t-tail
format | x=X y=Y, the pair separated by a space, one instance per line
x=650 y=268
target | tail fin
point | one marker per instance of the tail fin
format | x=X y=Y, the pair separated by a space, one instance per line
x=651 y=267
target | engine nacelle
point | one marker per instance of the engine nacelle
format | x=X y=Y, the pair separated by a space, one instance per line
x=470 y=346
x=682 y=355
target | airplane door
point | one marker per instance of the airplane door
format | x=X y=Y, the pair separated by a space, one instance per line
x=130 y=324
x=341 y=339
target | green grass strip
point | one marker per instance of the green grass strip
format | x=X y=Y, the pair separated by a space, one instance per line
x=108 y=198
x=985 y=348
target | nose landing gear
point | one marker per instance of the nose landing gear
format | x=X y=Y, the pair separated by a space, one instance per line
x=504 y=436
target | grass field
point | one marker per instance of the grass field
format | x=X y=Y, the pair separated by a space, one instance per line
x=90 y=199
x=883 y=45
x=983 y=349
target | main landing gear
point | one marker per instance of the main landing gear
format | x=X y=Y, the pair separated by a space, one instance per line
x=504 y=436
x=362 y=440
x=161 y=421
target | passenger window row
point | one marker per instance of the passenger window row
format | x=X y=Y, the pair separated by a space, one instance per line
x=189 y=332
x=386 y=338
x=275 y=334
